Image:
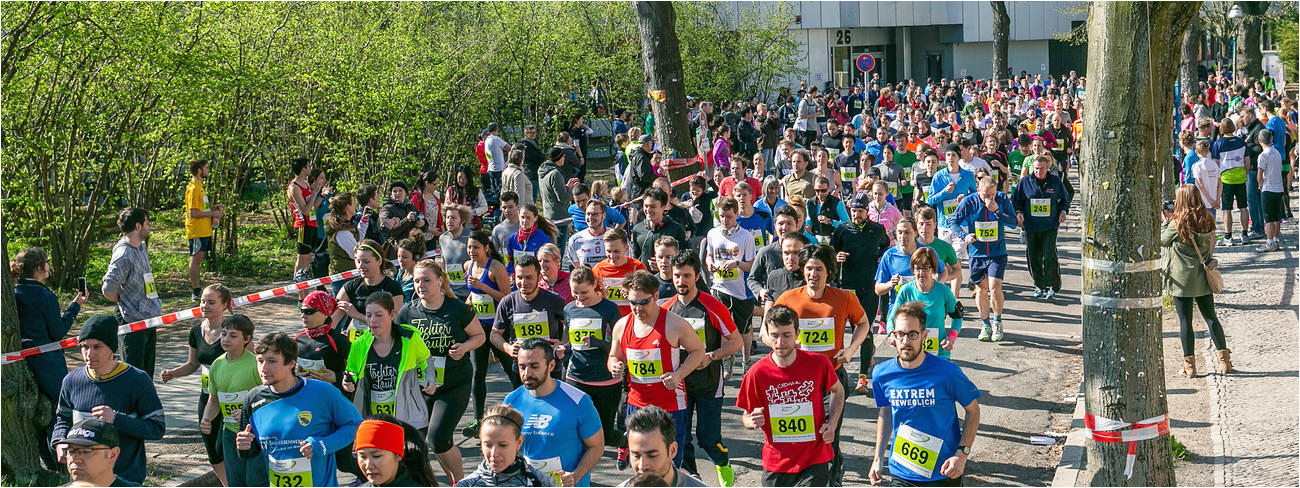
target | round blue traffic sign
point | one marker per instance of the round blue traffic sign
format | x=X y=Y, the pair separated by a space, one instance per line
x=866 y=62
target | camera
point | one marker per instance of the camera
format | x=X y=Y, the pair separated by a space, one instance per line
x=1168 y=206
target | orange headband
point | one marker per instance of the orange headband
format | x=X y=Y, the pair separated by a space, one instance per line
x=381 y=435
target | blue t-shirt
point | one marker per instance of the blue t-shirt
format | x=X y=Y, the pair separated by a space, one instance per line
x=1188 y=162
x=554 y=427
x=514 y=249
x=612 y=217
x=925 y=426
x=945 y=203
x=761 y=206
x=313 y=411
x=759 y=225
x=896 y=262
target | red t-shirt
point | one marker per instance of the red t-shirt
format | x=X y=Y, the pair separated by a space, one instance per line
x=481 y=152
x=755 y=187
x=789 y=396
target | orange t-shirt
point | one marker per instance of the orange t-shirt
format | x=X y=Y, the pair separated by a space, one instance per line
x=814 y=334
x=612 y=278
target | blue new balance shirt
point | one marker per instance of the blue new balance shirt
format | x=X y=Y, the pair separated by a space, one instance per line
x=555 y=425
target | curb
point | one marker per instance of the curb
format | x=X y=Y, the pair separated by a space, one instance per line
x=1073 y=453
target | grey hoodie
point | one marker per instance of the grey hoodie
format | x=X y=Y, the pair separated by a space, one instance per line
x=518 y=474
x=555 y=196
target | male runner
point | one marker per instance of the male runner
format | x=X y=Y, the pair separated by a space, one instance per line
x=527 y=312
x=646 y=343
x=947 y=189
x=562 y=432
x=713 y=324
x=614 y=269
x=587 y=246
x=861 y=242
x=1041 y=205
x=729 y=255
x=786 y=394
x=980 y=221
x=199 y=217
x=915 y=394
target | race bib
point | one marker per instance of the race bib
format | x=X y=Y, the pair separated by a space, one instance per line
x=950 y=206
x=551 y=466
x=289 y=472
x=231 y=403
x=150 y=288
x=311 y=365
x=817 y=335
x=614 y=290
x=907 y=174
x=439 y=369
x=205 y=202
x=456 y=273
x=531 y=324
x=893 y=187
x=1040 y=207
x=902 y=281
x=760 y=238
x=203 y=378
x=521 y=253
x=833 y=152
x=698 y=325
x=986 y=231
x=484 y=307
x=792 y=422
x=931 y=340
x=726 y=275
x=645 y=365
x=383 y=401
x=581 y=328
x=916 y=451
x=848 y=173
x=356 y=330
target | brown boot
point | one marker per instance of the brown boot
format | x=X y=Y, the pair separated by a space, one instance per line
x=1225 y=360
x=1189 y=366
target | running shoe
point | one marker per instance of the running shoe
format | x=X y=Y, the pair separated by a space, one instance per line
x=470 y=430
x=985 y=332
x=622 y=459
x=997 y=330
x=1237 y=242
x=1051 y=294
x=1255 y=236
x=880 y=327
x=195 y=297
x=1223 y=242
x=726 y=476
x=1038 y=292
x=864 y=384
x=728 y=367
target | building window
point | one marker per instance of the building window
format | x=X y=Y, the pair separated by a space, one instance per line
x=1266 y=40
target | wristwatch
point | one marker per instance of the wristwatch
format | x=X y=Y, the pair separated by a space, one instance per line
x=964 y=449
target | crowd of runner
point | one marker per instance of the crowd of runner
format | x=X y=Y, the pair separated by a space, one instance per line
x=621 y=311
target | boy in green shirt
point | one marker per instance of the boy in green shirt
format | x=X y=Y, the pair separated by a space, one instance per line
x=231 y=377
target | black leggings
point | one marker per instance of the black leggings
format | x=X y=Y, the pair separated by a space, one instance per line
x=1183 y=305
x=608 y=400
x=211 y=442
x=479 y=358
x=446 y=406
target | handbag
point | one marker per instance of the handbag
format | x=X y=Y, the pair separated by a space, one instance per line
x=1212 y=275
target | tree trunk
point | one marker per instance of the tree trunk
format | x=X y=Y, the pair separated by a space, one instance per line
x=1123 y=150
x=1191 y=57
x=661 y=56
x=23 y=408
x=1249 y=58
x=1001 y=37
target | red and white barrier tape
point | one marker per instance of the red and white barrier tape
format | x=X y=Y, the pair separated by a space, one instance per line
x=171 y=318
x=1106 y=430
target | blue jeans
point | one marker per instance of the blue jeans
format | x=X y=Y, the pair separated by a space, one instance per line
x=681 y=426
x=708 y=428
x=1254 y=205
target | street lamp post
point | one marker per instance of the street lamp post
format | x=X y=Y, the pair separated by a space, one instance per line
x=1235 y=15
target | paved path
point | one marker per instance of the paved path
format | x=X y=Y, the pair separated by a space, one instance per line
x=1028 y=383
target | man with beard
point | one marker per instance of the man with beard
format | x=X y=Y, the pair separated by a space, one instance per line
x=915 y=394
x=562 y=432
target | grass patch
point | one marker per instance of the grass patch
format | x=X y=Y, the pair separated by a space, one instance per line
x=1179 y=450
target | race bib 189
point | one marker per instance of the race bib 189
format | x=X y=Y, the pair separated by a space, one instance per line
x=532 y=324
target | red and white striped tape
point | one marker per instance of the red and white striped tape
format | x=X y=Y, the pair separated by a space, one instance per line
x=1107 y=430
x=174 y=317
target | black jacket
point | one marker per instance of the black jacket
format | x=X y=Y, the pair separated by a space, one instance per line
x=533 y=156
x=643 y=174
x=865 y=244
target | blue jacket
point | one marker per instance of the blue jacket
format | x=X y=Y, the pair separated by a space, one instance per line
x=965 y=186
x=40 y=323
x=972 y=210
x=1051 y=189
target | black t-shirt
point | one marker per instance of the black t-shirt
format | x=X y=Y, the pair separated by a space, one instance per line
x=589 y=365
x=359 y=291
x=703 y=203
x=682 y=216
x=207 y=353
x=381 y=371
x=544 y=315
x=329 y=351
x=441 y=329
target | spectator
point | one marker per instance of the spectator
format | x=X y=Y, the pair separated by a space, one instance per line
x=129 y=283
x=199 y=219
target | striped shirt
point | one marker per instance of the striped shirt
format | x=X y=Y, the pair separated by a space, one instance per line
x=130 y=393
x=130 y=276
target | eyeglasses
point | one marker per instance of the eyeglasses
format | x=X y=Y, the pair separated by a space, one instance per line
x=84 y=451
x=640 y=303
x=308 y=311
x=909 y=335
x=821 y=190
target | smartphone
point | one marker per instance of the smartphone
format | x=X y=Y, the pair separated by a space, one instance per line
x=81 y=285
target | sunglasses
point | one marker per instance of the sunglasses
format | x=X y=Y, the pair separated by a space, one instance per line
x=308 y=311
x=640 y=303
x=822 y=190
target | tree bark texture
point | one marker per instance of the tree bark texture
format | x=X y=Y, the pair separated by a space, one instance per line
x=662 y=59
x=22 y=407
x=1001 y=38
x=1250 y=60
x=1126 y=123
x=1187 y=67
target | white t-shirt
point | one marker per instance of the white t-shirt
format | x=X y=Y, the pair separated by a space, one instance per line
x=586 y=248
x=494 y=148
x=721 y=248
x=1207 y=177
x=1270 y=169
x=975 y=164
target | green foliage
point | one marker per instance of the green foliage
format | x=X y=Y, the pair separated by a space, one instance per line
x=105 y=103
x=1285 y=28
x=1179 y=450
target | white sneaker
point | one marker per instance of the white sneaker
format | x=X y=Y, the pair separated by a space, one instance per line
x=1223 y=242
x=985 y=332
x=997 y=330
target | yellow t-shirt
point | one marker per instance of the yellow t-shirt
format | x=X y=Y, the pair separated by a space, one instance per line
x=196 y=198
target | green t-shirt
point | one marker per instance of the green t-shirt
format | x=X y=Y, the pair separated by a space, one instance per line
x=942 y=249
x=906 y=160
x=230 y=381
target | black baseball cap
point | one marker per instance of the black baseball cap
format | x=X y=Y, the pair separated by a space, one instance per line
x=91 y=432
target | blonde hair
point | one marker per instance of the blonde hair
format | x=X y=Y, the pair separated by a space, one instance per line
x=442 y=275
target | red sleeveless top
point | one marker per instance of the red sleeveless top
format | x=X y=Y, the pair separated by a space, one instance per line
x=649 y=358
